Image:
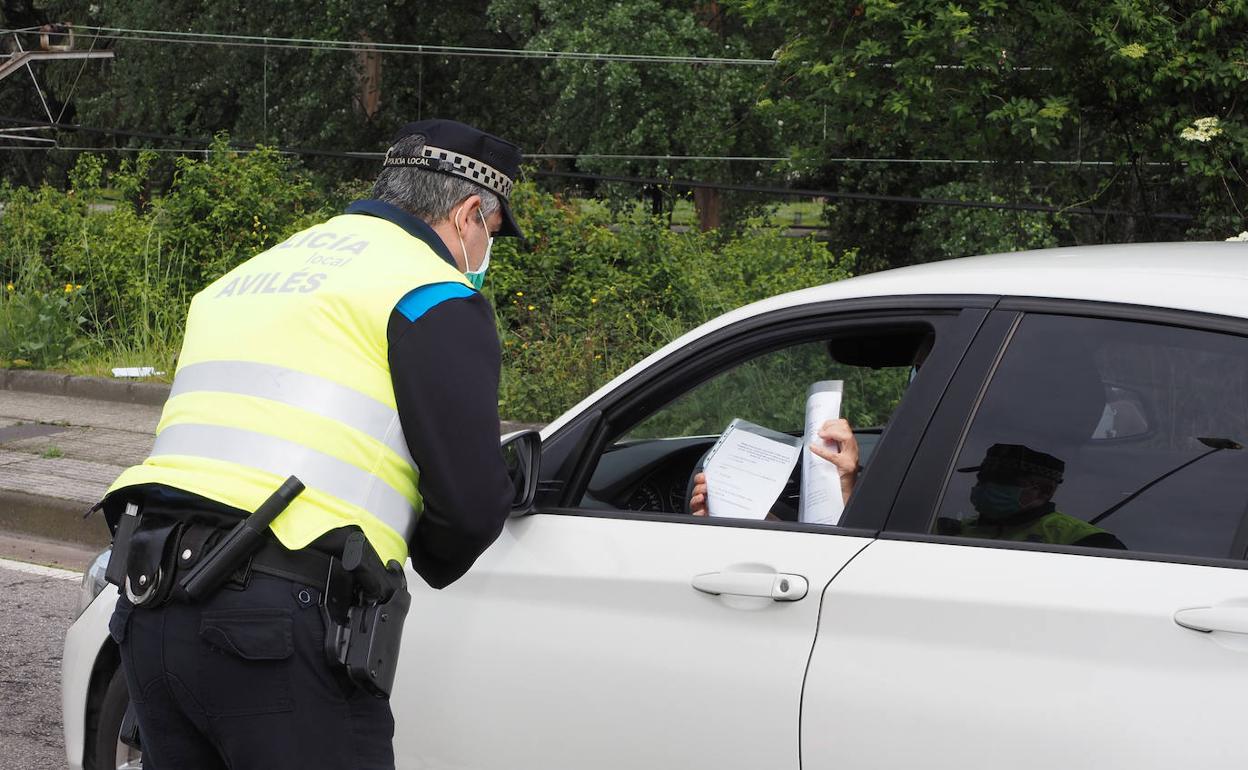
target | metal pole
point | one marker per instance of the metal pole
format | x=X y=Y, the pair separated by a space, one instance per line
x=34 y=80
x=264 y=121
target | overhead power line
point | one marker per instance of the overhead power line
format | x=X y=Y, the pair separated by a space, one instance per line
x=604 y=156
x=608 y=156
x=257 y=41
x=33 y=124
x=318 y=44
x=668 y=182
x=182 y=139
x=838 y=195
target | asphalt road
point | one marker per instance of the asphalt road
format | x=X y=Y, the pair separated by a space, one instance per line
x=36 y=610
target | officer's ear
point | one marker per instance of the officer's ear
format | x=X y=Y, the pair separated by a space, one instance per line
x=464 y=213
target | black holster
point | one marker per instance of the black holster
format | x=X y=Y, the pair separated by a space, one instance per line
x=364 y=620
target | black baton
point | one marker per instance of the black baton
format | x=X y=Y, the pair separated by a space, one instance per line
x=239 y=544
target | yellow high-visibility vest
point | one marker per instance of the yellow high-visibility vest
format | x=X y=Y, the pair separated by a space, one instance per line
x=284 y=370
x=1054 y=528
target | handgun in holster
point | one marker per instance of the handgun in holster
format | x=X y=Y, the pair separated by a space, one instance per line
x=364 y=606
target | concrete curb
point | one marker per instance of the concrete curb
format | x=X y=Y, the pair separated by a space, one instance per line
x=76 y=386
x=61 y=520
x=124 y=391
x=52 y=518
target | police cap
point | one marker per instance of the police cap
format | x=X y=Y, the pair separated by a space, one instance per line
x=1019 y=460
x=458 y=149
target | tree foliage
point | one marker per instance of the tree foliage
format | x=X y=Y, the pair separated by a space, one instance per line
x=597 y=109
x=316 y=98
x=1129 y=107
x=1126 y=84
x=309 y=97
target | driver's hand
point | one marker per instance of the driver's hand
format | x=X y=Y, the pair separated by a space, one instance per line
x=697 y=503
x=832 y=433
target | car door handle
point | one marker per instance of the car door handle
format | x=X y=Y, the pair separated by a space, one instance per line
x=769 y=585
x=1233 y=620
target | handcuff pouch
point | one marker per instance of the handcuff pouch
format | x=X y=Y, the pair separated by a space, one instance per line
x=150 y=564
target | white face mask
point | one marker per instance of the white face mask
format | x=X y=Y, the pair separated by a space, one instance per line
x=475 y=277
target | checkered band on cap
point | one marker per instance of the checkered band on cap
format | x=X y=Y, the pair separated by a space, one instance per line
x=450 y=162
x=1019 y=465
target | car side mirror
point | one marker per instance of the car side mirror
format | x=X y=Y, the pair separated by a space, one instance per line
x=522 y=452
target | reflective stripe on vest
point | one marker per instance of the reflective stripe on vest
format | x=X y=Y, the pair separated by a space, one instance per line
x=300 y=390
x=283 y=458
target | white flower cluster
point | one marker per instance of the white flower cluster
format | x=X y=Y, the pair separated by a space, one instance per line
x=1241 y=237
x=1201 y=130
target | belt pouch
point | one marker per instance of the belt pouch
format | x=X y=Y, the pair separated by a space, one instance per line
x=195 y=541
x=149 y=568
x=127 y=524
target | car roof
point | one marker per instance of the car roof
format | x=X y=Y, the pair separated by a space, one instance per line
x=1204 y=277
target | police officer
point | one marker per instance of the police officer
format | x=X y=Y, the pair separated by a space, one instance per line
x=1013 y=497
x=360 y=357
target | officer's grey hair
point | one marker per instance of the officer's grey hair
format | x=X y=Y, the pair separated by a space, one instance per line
x=430 y=195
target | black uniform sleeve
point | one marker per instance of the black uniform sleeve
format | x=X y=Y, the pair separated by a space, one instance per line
x=445 y=368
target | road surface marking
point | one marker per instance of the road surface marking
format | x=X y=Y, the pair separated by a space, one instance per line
x=38 y=569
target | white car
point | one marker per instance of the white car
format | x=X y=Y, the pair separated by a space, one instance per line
x=907 y=634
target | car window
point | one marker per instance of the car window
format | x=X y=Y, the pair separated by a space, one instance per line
x=771 y=390
x=648 y=466
x=1108 y=434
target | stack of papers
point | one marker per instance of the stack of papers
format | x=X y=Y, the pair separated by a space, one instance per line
x=747 y=469
x=821 y=501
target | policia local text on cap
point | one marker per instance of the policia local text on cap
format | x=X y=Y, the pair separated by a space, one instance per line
x=354 y=369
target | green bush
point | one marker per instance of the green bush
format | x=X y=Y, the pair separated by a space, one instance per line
x=590 y=297
x=585 y=297
x=141 y=259
x=40 y=328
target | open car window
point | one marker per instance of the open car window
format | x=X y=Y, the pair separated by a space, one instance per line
x=648 y=466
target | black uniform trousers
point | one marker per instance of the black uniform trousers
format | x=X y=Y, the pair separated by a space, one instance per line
x=241 y=681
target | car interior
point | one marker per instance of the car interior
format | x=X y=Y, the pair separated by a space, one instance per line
x=649 y=466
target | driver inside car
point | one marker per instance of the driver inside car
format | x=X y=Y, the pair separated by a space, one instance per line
x=836 y=444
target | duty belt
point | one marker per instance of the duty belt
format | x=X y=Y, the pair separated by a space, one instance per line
x=307 y=566
x=363 y=602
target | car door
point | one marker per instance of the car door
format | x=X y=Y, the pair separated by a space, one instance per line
x=580 y=640
x=941 y=646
